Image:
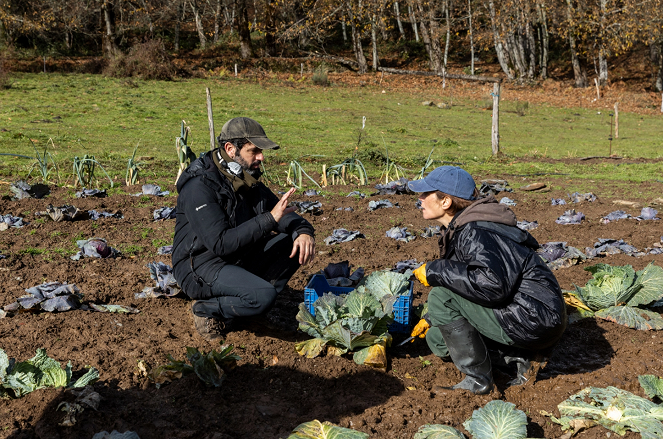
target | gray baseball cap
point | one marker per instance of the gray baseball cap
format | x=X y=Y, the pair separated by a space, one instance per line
x=245 y=128
x=451 y=180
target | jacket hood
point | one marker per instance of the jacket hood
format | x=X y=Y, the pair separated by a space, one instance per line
x=486 y=209
x=198 y=167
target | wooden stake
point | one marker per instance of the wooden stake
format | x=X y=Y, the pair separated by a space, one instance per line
x=598 y=90
x=210 y=121
x=323 y=180
x=301 y=72
x=495 y=134
x=661 y=102
x=235 y=69
x=616 y=120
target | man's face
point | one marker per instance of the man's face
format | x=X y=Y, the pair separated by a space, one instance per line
x=250 y=157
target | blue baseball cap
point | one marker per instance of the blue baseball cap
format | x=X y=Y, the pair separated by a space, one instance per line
x=451 y=180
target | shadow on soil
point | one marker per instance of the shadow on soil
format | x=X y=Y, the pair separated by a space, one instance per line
x=252 y=403
x=583 y=348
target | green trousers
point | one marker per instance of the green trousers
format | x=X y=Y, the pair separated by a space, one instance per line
x=445 y=307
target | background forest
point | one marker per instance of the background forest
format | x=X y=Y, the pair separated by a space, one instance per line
x=523 y=36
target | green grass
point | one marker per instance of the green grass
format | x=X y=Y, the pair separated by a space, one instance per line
x=106 y=118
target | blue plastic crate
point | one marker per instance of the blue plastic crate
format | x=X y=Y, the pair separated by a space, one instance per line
x=318 y=286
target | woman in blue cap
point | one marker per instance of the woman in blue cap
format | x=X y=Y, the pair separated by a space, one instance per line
x=489 y=282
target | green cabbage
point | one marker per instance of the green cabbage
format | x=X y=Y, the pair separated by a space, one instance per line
x=324 y=430
x=615 y=293
x=18 y=379
x=496 y=420
x=613 y=408
x=346 y=323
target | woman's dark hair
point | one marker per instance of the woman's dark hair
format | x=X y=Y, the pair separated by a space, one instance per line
x=457 y=204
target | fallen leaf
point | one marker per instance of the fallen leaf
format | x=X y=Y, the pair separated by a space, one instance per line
x=275 y=360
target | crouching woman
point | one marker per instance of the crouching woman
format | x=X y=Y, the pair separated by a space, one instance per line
x=489 y=281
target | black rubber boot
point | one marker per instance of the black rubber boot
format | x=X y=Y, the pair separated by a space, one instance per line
x=470 y=355
x=523 y=367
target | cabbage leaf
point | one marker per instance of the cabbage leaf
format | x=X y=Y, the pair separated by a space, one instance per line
x=615 y=293
x=497 y=420
x=437 y=431
x=324 y=430
x=635 y=318
x=652 y=385
x=381 y=283
x=39 y=372
x=615 y=409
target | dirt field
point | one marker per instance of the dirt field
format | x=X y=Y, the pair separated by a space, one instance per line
x=273 y=389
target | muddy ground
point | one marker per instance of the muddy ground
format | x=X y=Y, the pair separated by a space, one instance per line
x=273 y=389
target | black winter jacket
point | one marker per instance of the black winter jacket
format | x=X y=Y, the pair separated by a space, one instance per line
x=495 y=265
x=216 y=225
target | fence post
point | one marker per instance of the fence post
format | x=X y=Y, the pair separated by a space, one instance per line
x=616 y=120
x=210 y=120
x=495 y=137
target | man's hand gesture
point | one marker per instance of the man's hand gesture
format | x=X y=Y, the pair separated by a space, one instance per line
x=282 y=208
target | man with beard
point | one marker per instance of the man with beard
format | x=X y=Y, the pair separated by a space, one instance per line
x=236 y=244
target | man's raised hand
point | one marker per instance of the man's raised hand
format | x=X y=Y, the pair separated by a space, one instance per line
x=281 y=207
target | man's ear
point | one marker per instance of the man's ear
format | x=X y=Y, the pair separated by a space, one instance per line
x=230 y=149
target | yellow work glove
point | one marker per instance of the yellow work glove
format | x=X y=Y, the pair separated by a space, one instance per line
x=421 y=329
x=420 y=274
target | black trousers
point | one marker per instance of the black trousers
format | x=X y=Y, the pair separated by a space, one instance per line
x=249 y=287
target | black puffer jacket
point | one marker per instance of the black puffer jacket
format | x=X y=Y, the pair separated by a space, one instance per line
x=495 y=265
x=216 y=225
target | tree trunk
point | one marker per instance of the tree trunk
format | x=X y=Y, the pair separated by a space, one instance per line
x=356 y=41
x=656 y=52
x=545 y=38
x=217 y=16
x=374 y=43
x=502 y=55
x=531 y=45
x=469 y=16
x=270 y=28
x=413 y=21
x=578 y=71
x=149 y=18
x=245 y=48
x=448 y=36
x=429 y=37
x=345 y=32
x=199 y=24
x=398 y=20
x=603 y=53
x=603 y=67
x=110 y=49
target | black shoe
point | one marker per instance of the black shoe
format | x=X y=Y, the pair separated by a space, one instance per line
x=209 y=328
x=469 y=354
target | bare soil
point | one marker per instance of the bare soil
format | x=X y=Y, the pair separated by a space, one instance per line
x=273 y=389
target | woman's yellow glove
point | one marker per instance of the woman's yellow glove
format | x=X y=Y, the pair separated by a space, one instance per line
x=420 y=274
x=421 y=329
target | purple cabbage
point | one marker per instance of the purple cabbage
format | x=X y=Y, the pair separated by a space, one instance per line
x=577 y=197
x=396 y=187
x=400 y=234
x=85 y=193
x=647 y=213
x=164 y=213
x=614 y=216
x=558 y=202
x=507 y=201
x=527 y=225
x=380 y=204
x=570 y=217
x=342 y=235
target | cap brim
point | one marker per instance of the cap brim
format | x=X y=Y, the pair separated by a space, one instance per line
x=420 y=186
x=263 y=143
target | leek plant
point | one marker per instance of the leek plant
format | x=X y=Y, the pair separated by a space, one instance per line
x=84 y=170
x=184 y=153
x=295 y=175
x=42 y=164
x=428 y=164
x=133 y=168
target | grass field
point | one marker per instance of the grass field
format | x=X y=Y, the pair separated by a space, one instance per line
x=105 y=117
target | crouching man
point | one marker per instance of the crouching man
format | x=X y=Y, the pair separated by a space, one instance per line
x=489 y=283
x=236 y=244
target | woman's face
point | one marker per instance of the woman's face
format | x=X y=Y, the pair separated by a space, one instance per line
x=434 y=208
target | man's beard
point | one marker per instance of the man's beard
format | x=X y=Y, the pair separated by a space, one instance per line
x=253 y=169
